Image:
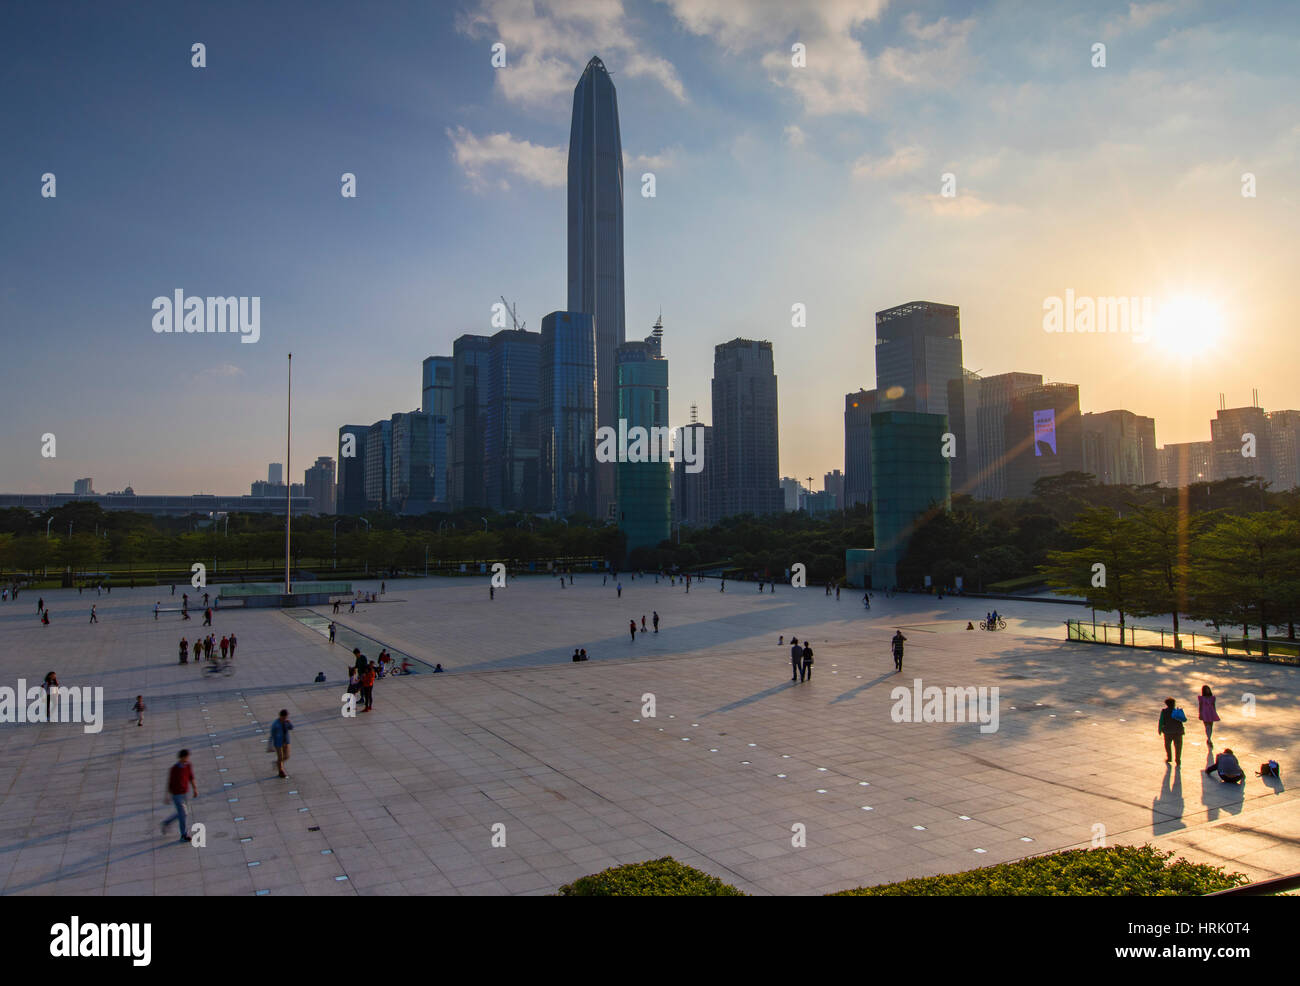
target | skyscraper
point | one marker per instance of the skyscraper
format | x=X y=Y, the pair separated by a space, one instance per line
x=1242 y=443
x=995 y=395
x=1115 y=446
x=918 y=354
x=318 y=482
x=1185 y=463
x=910 y=477
x=350 y=496
x=691 y=489
x=745 y=475
x=596 y=239
x=468 y=480
x=567 y=414
x=510 y=440
x=379 y=461
x=644 y=492
x=1043 y=435
x=275 y=473
x=437 y=386
x=1284 y=430
x=858 y=409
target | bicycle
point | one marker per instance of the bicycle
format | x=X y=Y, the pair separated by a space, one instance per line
x=1000 y=625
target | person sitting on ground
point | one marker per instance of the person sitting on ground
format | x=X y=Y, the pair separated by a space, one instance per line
x=576 y=656
x=437 y=668
x=970 y=625
x=1227 y=767
x=320 y=676
x=582 y=655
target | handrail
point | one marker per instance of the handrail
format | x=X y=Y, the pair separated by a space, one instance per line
x=1262 y=888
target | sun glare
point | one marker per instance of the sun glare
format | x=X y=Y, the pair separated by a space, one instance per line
x=1188 y=325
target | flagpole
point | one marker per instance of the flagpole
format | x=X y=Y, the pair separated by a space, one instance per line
x=288 y=478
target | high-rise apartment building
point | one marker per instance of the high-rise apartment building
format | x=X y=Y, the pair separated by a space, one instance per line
x=745 y=461
x=792 y=492
x=644 y=488
x=833 y=483
x=510 y=452
x=858 y=409
x=567 y=414
x=350 y=495
x=318 y=482
x=596 y=239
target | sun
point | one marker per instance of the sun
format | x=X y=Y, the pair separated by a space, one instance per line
x=1188 y=325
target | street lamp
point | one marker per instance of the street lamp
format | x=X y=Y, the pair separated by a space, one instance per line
x=484 y=519
x=47 y=528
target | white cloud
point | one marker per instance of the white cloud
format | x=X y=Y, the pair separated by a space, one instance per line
x=794 y=136
x=900 y=162
x=548 y=43
x=967 y=205
x=1139 y=16
x=654 y=162
x=545 y=166
x=937 y=62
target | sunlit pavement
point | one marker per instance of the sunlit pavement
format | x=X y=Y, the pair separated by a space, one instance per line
x=518 y=744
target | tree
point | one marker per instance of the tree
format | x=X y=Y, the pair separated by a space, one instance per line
x=1103 y=567
x=1164 y=540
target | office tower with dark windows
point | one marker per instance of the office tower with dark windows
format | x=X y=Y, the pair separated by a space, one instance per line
x=644 y=491
x=918 y=354
x=1119 y=448
x=275 y=474
x=746 y=474
x=910 y=479
x=1185 y=463
x=414 y=462
x=510 y=451
x=858 y=409
x=567 y=414
x=963 y=420
x=318 y=482
x=350 y=496
x=1043 y=434
x=691 y=488
x=379 y=458
x=596 y=239
x=995 y=395
x=1236 y=433
x=468 y=473
x=437 y=389
x=1284 y=433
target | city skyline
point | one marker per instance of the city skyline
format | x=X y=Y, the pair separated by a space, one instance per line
x=755 y=165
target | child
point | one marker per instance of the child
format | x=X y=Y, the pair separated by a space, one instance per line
x=139 y=710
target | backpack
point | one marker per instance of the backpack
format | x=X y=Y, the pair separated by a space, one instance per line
x=1269 y=769
x=1178 y=715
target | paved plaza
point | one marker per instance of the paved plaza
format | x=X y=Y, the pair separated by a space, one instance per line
x=561 y=761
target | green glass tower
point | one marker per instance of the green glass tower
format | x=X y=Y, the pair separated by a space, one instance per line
x=909 y=477
x=644 y=472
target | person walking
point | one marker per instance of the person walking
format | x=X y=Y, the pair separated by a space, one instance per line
x=40 y=604
x=806 y=670
x=331 y=631
x=205 y=599
x=897 y=647
x=656 y=620
x=632 y=627
x=93 y=617
x=837 y=593
x=51 y=687
x=492 y=592
x=232 y=646
x=185 y=611
x=280 y=739
x=368 y=687
x=185 y=651
x=180 y=780
x=1172 y=729
x=1206 y=713
x=207 y=617
x=225 y=646
x=722 y=585
x=866 y=600
x=643 y=622
x=45 y=618
x=139 y=710
x=155 y=608
x=796 y=658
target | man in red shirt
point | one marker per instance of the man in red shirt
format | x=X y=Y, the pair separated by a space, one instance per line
x=368 y=687
x=180 y=780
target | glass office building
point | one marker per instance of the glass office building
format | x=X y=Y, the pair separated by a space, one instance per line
x=351 y=493
x=596 y=237
x=909 y=478
x=468 y=486
x=645 y=496
x=510 y=441
x=379 y=459
x=567 y=414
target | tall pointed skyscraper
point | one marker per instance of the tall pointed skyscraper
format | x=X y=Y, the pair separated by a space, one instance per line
x=596 y=241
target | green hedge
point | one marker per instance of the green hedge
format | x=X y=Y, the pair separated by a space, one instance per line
x=1120 y=871
x=656 y=878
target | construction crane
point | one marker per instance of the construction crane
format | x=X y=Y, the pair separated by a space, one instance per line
x=519 y=326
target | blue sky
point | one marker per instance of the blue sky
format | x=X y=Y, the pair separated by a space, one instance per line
x=818 y=185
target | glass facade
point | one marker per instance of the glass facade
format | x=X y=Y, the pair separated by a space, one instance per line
x=351 y=494
x=745 y=476
x=436 y=385
x=596 y=236
x=858 y=409
x=379 y=458
x=645 y=496
x=567 y=414
x=909 y=477
x=469 y=421
x=510 y=441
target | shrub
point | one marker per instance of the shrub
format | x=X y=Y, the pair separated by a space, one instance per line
x=1119 y=871
x=655 y=878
